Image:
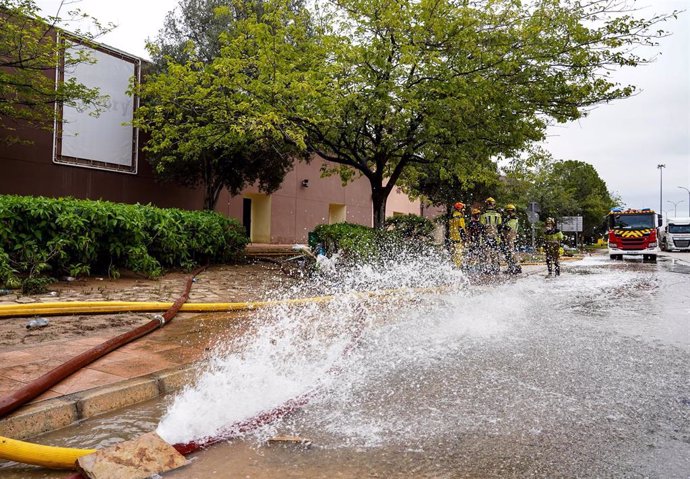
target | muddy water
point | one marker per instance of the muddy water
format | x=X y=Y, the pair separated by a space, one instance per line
x=586 y=375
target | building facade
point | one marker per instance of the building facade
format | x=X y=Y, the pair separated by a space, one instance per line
x=101 y=158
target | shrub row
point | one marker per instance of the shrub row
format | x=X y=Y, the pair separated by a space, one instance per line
x=404 y=233
x=43 y=237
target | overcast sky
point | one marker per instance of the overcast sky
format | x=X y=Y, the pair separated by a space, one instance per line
x=624 y=141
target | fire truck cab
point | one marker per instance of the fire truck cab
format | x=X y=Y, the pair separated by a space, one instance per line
x=633 y=232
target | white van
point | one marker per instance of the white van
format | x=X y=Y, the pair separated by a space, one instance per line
x=675 y=235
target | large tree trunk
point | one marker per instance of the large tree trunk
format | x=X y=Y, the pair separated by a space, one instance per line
x=379 y=196
x=211 y=195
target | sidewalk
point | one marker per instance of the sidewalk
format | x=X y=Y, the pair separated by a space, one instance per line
x=156 y=364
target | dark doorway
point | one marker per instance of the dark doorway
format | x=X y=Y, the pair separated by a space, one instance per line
x=247 y=216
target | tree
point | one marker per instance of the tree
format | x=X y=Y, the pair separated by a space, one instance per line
x=449 y=180
x=588 y=195
x=381 y=88
x=204 y=126
x=196 y=27
x=561 y=188
x=407 y=81
x=29 y=48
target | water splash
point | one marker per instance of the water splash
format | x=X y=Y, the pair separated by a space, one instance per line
x=294 y=349
x=460 y=357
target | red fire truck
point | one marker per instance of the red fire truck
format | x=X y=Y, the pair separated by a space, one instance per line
x=633 y=232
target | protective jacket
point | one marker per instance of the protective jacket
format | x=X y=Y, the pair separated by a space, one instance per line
x=492 y=221
x=475 y=233
x=553 y=235
x=511 y=229
x=456 y=227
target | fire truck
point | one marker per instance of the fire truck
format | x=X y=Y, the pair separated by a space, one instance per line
x=633 y=232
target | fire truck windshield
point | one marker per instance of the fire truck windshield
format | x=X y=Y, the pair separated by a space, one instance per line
x=632 y=221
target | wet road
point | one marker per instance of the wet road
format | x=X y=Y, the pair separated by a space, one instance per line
x=586 y=375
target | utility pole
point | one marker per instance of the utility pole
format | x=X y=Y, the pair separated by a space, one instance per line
x=675 y=207
x=684 y=188
x=661 y=186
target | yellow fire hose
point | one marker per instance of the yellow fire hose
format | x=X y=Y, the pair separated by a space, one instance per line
x=65 y=458
x=94 y=307
x=46 y=456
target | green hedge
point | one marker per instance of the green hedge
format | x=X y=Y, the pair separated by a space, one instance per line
x=43 y=237
x=405 y=233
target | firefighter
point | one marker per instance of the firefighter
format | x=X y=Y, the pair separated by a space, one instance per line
x=456 y=232
x=474 y=243
x=508 y=238
x=552 y=239
x=492 y=221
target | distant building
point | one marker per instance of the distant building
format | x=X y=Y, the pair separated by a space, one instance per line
x=101 y=158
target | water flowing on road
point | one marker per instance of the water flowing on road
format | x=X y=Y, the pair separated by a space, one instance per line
x=584 y=375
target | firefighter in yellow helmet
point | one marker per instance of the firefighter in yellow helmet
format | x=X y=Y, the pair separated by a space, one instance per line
x=552 y=245
x=492 y=221
x=456 y=232
x=509 y=234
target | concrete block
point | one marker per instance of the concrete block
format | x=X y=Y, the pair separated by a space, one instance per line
x=109 y=398
x=136 y=459
x=38 y=418
x=173 y=380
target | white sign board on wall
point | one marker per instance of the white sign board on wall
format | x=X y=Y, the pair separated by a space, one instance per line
x=108 y=140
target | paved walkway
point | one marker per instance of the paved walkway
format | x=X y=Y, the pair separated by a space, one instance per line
x=28 y=354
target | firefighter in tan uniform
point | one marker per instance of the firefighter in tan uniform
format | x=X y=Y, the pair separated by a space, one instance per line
x=552 y=246
x=492 y=221
x=456 y=233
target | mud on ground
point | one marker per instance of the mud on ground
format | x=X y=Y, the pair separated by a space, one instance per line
x=225 y=283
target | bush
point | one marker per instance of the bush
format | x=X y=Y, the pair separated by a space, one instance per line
x=411 y=227
x=356 y=242
x=42 y=237
x=405 y=233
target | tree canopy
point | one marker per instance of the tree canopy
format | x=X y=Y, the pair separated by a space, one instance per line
x=206 y=122
x=29 y=49
x=195 y=27
x=398 y=91
x=413 y=84
x=561 y=188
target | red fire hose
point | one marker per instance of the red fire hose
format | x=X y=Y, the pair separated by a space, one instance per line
x=37 y=387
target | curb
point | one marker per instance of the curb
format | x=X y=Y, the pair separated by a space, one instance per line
x=56 y=413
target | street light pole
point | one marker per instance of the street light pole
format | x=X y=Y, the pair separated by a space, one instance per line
x=684 y=188
x=661 y=186
x=675 y=207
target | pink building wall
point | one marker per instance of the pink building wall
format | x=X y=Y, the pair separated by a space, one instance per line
x=296 y=209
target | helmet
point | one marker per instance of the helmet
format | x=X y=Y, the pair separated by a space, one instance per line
x=490 y=201
x=550 y=221
x=476 y=211
x=459 y=206
x=510 y=207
